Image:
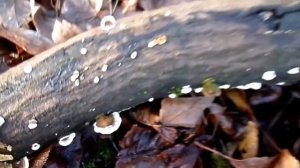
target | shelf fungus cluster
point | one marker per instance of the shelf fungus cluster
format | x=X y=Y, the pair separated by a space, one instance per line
x=107 y=124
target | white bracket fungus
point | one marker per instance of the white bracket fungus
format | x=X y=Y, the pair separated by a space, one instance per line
x=269 y=75
x=96 y=79
x=32 y=124
x=108 y=23
x=253 y=85
x=133 y=55
x=280 y=83
x=172 y=95
x=108 y=129
x=83 y=51
x=198 y=90
x=2 y=121
x=293 y=71
x=104 y=68
x=74 y=76
x=150 y=99
x=27 y=69
x=35 y=146
x=186 y=89
x=67 y=140
x=225 y=86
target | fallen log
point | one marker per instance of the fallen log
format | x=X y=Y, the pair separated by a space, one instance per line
x=232 y=42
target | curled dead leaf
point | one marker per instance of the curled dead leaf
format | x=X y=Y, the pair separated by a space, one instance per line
x=249 y=144
x=147 y=114
x=184 y=112
x=63 y=30
x=286 y=160
x=239 y=98
x=40 y=160
x=217 y=117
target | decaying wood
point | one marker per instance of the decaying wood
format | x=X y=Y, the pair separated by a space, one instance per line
x=228 y=41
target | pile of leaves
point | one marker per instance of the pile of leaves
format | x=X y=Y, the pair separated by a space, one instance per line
x=28 y=27
x=229 y=128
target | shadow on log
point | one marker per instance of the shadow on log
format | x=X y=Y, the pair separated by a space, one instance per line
x=230 y=42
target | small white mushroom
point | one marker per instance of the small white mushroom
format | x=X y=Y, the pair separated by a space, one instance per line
x=73 y=78
x=67 y=140
x=269 y=75
x=107 y=23
x=186 y=89
x=32 y=124
x=75 y=75
x=280 y=83
x=27 y=68
x=2 y=121
x=172 y=95
x=77 y=82
x=242 y=87
x=83 y=51
x=96 y=79
x=225 y=86
x=198 y=90
x=293 y=71
x=253 y=85
x=133 y=55
x=81 y=77
x=150 y=99
x=104 y=68
x=109 y=129
x=35 y=146
x=268 y=32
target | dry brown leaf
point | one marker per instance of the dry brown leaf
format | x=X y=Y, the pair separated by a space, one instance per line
x=169 y=134
x=14 y=13
x=249 y=144
x=140 y=140
x=181 y=156
x=40 y=160
x=63 y=30
x=43 y=23
x=6 y=165
x=239 y=98
x=29 y=40
x=177 y=156
x=254 y=162
x=286 y=160
x=217 y=117
x=129 y=5
x=5 y=152
x=184 y=112
x=147 y=114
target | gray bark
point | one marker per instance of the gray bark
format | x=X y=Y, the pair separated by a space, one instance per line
x=228 y=41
